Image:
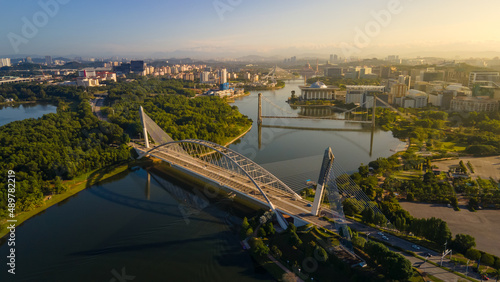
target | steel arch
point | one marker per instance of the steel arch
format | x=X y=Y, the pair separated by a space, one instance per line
x=249 y=168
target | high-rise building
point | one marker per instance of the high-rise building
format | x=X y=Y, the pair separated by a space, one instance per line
x=5 y=62
x=334 y=72
x=223 y=76
x=137 y=66
x=204 y=77
x=331 y=57
x=29 y=60
x=48 y=60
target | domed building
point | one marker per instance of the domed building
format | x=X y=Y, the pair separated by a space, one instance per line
x=317 y=91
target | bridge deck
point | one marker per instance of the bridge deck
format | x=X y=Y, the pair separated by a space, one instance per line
x=310 y=117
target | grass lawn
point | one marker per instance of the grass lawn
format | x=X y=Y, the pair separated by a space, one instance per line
x=452 y=147
x=408 y=175
x=417 y=277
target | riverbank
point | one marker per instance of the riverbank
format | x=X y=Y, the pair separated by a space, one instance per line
x=232 y=99
x=239 y=136
x=17 y=103
x=74 y=186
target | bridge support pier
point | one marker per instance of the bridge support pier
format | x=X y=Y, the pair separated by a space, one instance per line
x=259 y=115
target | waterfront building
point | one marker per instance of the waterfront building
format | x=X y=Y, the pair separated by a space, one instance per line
x=317 y=91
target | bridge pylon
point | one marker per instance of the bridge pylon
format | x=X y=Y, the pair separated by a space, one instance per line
x=259 y=114
x=326 y=166
x=145 y=130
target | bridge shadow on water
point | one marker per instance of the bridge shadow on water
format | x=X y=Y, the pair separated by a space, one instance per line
x=186 y=199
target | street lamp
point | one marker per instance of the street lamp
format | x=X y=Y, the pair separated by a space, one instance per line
x=467 y=267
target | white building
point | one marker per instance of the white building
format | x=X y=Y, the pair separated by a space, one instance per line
x=205 y=77
x=459 y=90
x=223 y=76
x=317 y=91
x=355 y=93
x=5 y=62
x=413 y=99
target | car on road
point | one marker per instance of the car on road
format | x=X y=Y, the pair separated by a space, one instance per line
x=380 y=233
x=415 y=247
x=385 y=238
x=309 y=205
x=484 y=277
x=428 y=254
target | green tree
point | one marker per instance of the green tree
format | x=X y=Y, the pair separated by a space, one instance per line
x=320 y=254
x=463 y=242
x=359 y=242
x=245 y=225
x=261 y=233
x=269 y=228
x=368 y=215
x=398 y=267
x=349 y=207
x=258 y=247
x=473 y=254
x=276 y=252
x=487 y=259
x=249 y=232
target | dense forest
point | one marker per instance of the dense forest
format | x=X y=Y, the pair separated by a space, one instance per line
x=36 y=92
x=142 y=87
x=44 y=151
x=208 y=118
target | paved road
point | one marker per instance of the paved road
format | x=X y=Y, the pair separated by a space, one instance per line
x=96 y=108
x=289 y=204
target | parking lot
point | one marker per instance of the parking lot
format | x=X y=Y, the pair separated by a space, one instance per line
x=484 y=225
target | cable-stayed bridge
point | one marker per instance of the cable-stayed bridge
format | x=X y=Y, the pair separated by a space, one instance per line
x=234 y=172
x=359 y=114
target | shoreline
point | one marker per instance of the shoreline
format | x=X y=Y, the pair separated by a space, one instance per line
x=17 y=103
x=239 y=136
x=75 y=186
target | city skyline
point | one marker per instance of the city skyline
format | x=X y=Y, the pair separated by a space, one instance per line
x=230 y=29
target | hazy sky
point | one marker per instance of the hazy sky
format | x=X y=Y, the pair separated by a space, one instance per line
x=244 y=27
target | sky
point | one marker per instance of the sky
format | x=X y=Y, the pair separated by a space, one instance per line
x=232 y=28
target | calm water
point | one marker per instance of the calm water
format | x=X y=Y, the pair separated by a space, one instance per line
x=166 y=233
x=24 y=111
x=171 y=231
